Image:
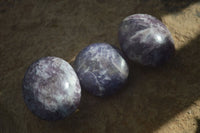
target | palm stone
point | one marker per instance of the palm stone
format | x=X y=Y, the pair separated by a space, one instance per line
x=51 y=88
x=146 y=40
x=101 y=69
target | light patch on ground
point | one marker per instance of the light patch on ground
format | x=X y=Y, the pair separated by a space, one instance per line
x=183 y=31
x=183 y=122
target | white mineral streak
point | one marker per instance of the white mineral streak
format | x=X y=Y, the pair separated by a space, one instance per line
x=41 y=69
x=98 y=84
x=51 y=94
x=121 y=67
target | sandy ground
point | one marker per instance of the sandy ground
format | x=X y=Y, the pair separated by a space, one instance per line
x=159 y=100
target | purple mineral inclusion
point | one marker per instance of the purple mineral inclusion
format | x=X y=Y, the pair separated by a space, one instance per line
x=146 y=40
x=101 y=69
x=51 y=88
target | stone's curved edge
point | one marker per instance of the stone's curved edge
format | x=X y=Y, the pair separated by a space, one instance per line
x=44 y=91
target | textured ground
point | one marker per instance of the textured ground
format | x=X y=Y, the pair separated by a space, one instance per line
x=163 y=100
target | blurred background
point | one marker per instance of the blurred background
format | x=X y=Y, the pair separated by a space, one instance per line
x=155 y=100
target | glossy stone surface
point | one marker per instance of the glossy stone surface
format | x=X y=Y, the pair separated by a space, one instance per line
x=51 y=88
x=101 y=69
x=146 y=40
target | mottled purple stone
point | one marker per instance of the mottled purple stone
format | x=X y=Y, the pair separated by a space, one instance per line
x=101 y=69
x=51 y=88
x=146 y=40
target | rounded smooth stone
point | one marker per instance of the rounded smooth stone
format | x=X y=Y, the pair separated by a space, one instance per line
x=146 y=40
x=101 y=69
x=51 y=88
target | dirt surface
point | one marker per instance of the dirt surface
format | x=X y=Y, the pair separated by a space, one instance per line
x=155 y=100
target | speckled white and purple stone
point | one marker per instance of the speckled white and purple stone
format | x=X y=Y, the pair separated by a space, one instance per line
x=101 y=69
x=51 y=88
x=146 y=40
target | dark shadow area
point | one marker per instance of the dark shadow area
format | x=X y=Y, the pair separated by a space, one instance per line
x=173 y=6
x=7 y=123
x=198 y=124
x=159 y=8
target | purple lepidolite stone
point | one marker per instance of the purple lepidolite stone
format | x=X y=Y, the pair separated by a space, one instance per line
x=51 y=88
x=101 y=69
x=146 y=40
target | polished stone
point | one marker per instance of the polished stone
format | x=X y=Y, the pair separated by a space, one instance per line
x=51 y=88
x=146 y=40
x=101 y=69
